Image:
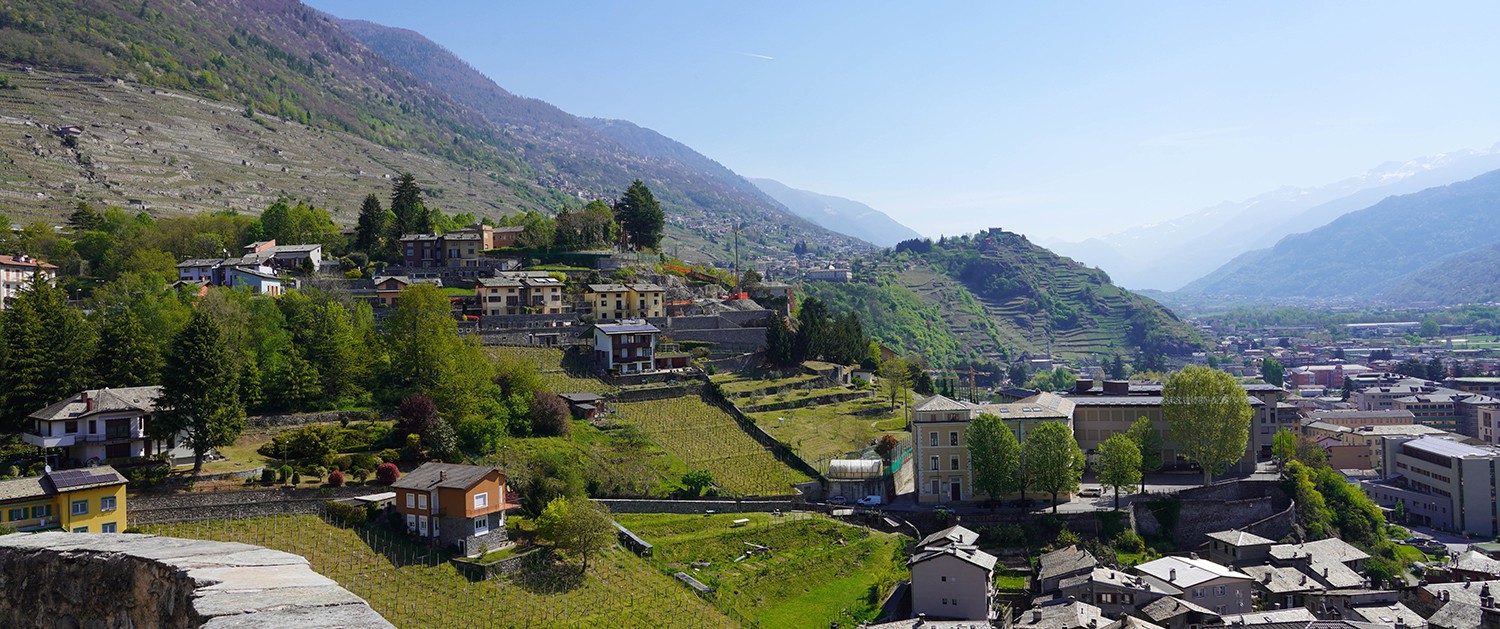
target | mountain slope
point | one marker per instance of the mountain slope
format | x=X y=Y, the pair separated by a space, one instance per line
x=1168 y=255
x=1364 y=253
x=839 y=214
x=997 y=298
x=594 y=158
x=1470 y=277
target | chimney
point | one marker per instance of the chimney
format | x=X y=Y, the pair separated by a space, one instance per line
x=1445 y=596
x=1172 y=575
x=1036 y=615
x=442 y=475
x=1082 y=385
x=1193 y=555
x=88 y=402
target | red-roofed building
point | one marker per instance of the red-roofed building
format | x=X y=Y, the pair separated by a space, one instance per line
x=16 y=272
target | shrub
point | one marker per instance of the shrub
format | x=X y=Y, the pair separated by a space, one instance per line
x=363 y=462
x=12 y=472
x=418 y=414
x=390 y=455
x=359 y=475
x=296 y=478
x=346 y=515
x=284 y=474
x=1066 y=537
x=550 y=416
x=335 y=479
x=1129 y=542
x=268 y=475
x=387 y=473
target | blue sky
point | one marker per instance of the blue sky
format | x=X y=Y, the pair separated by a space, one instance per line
x=1058 y=120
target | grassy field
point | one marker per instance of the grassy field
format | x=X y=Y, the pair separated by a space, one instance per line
x=750 y=383
x=413 y=587
x=825 y=431
x=706 y=437
x=616 y=461
x=818 y=570
x=549 y=364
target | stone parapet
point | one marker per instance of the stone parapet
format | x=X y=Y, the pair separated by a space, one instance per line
x=126 y=580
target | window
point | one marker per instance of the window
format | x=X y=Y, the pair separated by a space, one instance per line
x=953 y=462
x=421 y=501
x=81 y=529
x=481 y=525
x=932 y=439
x=41 y=511
x=70 y=427
x=109 y=527
x=935 y=488
x=411 y=501
x=17 y=514
x=945 y=601
x=107 y=503
x=945 y=578
x=482 y=500
x=953 y=438
x=80 y=507
x=93 y=427
x=1106 y=598
x=934 y=462
x=1198 y=593
x=1220 y=590
x=1128 y=599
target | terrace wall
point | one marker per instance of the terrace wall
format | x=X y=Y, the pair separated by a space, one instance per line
x=161 y=508
x=634 y=505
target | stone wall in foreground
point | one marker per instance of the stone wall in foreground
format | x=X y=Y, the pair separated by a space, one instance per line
x=124 y=580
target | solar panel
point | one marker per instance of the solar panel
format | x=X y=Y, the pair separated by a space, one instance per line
x=74 y=478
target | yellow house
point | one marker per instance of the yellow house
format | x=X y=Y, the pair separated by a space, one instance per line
x=87 y=500
x=613 y=302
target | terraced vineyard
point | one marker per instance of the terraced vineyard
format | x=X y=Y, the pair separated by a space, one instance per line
x=548 y=362
x=706 y=437
x=414 y=587
x=817 y=571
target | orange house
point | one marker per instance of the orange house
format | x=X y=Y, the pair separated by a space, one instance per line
x=458 y=506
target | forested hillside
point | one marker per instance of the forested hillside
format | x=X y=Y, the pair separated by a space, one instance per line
x=995 y=297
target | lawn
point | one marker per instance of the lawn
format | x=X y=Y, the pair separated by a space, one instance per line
x=706 y=437
x=818 y=570
x=826 y=431
x=415 y=587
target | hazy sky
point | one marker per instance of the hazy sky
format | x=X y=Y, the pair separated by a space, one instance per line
x=1060 y=120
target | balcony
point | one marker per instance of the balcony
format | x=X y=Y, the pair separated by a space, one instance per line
x=48 y=442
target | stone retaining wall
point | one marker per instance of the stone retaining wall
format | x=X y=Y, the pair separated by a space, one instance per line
x=227 y=505
x=836 y=398
x=657 y=393
x=124 y=580
x=633 y=505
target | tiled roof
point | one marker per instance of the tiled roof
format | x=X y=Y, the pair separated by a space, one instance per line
x=940 y=403
x=1279 y=580
x=1069 y=615
x=1064 y=561
x=450 y=475
x=1270 y=616
x=142 y=399
x=1170 y=607
x=607 y=288
x=53 y=483
x=1101 y=575
x=1240 y=538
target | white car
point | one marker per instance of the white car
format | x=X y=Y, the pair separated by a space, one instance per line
x=871 y=501
x=1090 y=492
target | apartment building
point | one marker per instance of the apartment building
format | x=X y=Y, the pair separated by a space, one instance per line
x=520 y=293
x=1442 y=483
x=940 y=449
x=17 y=271
x=87 y=500
x=613 y=302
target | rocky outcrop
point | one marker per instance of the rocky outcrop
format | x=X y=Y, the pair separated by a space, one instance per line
x=113 y=581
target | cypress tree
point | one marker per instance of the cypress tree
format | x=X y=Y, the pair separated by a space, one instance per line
x=406 y=205
x=374 y=222
x=640 y=216
x=200 y=400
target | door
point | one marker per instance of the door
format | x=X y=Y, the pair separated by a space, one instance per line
x=955 y=491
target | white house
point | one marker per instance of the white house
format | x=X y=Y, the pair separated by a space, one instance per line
x=628 y=346
x=951 y=577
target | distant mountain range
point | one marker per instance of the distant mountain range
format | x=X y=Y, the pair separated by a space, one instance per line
x=1439 y=245
x=839 y=214
x=1170 y=254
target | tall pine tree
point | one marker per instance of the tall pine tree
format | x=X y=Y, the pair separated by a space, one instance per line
x=128 y=356
x=46 y=351
x=200 y=400
x=781 y=346
x=406 y=205
x=374 y=222
x=640 y=216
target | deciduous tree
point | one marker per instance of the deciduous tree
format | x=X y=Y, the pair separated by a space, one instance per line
x=1119 y=464
x=1053 y=459
x=1209 y=416
x=1148 y=439
x=994 y=456
x=1272 y=371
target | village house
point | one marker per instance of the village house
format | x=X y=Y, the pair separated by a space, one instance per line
x=458 y=506
x=1175 y=613
x=951 y=577
x=85 y=500
x=628 y=346
x=1115 y=593
x=614 y=302
x=1062 y=614
x=1205 y=583
x=1060 y=564
x=1238 y=548
x=17 y=271
x=97 y=425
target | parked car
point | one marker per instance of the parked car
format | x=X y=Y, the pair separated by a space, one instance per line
x=1090 y=492
x=943 y=509
x=838 y=500
x=871 y=501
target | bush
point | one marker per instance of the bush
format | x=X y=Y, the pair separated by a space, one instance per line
x=347 y=515
x=1066 y=537
x=363 y=462
x=284 y=474
x=550 y=416
x=1007 y=535
x=1129 y=542
x=387 y=473
x=390 y=455
x=335 y=479
x=267 y=476
x=296 y=478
